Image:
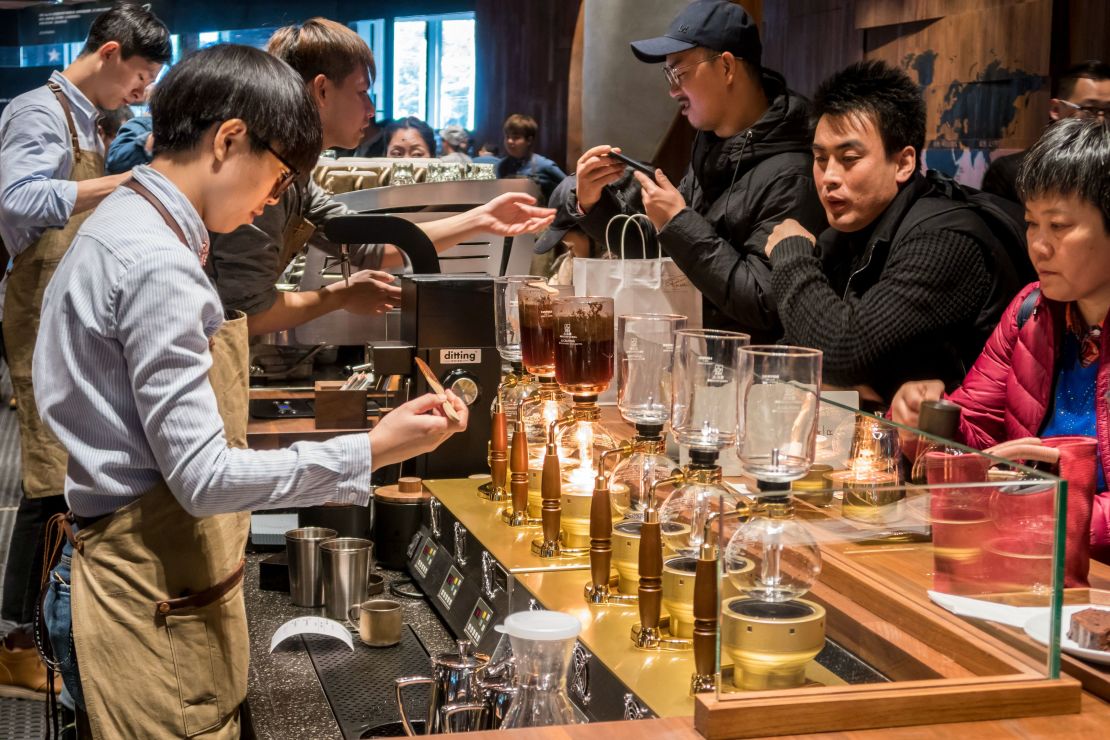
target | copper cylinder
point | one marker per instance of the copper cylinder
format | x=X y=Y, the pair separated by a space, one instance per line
x=651 y=571
x=705 y=614
x=551 y=486
x=498 y=450
x=518 y=465
x=601 y=534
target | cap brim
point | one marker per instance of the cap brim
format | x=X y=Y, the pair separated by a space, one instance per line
x=550 y=238
x=656 y=50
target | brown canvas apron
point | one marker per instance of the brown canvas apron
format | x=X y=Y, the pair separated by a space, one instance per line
x=42 y=457
x=159 y=623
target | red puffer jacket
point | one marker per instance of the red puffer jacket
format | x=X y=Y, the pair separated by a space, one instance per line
x=1008 y=392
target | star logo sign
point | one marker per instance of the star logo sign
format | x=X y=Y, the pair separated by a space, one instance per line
x=53 y=55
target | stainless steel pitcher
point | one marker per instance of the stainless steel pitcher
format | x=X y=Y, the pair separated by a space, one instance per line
x=455 y=681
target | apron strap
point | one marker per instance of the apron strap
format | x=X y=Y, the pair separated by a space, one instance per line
x=60 y=95
x=205 y=597
x=142 y=190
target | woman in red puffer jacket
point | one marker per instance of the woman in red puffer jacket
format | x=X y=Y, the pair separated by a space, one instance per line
x=1045 y=371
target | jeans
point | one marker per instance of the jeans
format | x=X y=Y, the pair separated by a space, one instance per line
x=58 y=615
x=23 y=572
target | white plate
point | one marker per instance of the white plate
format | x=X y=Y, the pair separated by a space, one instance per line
x=1038 y=627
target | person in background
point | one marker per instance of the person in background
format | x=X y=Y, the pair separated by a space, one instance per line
x=109 y=124
x=488 y=153
x=521 y=161
x=1044 y=370
x=372 y=143
x=160 y=489
x=1082 y=91
x=337 y=67
x=454 y=143
x=900 y=286
x=409 y=137
x=51 y=178
x=750 y=167
x=132 y=144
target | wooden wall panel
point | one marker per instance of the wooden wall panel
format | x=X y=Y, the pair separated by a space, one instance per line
x=985 y=86
x=523 y=66
x=807 y=40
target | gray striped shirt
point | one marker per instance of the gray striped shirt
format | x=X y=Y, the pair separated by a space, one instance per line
x=121 y=375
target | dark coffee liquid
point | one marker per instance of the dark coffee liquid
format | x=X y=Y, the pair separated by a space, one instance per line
x=584 y=363
x=537 y=335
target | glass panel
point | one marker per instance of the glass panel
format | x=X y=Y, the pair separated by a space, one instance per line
x=864 y=562
x=456 y=74
x=410 y=68
x=373 y=33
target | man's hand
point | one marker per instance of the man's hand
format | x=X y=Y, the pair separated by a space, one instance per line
x=513 y=214
x=907 y=401
x=370 y=292
x=414 y=428
x=593 y=172
x=785 y=230
x=662 y=201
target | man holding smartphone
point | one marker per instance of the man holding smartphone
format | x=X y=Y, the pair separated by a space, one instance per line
x=750 y=168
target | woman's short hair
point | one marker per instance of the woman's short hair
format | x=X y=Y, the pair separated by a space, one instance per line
x=322 y=47
x=412 y=122
x=229 y=81
x=1072 y=157
x=521 y=125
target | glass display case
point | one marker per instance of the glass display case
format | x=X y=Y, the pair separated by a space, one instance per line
x=920 y=593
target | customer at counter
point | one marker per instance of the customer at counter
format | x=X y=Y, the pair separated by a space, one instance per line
x=1045 y=370
x=337 y=67
x=409 y=137
x=750 y=166
x=906 y=283
x=454 y=142
x=520 y=158
x=1082 y=91
x=144 y=380
x=51 y=177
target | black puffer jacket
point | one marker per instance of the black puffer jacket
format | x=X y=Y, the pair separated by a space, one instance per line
x=736 y=190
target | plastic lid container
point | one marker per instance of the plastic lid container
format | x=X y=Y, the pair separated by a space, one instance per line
x=540 y=625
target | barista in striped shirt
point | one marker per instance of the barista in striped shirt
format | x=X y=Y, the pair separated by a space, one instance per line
x=144 y=380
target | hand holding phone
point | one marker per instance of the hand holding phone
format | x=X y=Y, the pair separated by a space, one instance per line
x=638 y=166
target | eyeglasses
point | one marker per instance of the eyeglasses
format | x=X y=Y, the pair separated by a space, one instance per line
x=285 y=178
x=1087 y=111
x=674 y=76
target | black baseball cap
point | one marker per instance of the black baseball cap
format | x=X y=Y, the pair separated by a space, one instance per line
x=715 y=24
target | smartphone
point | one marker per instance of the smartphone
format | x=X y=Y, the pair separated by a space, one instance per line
x=638 y=166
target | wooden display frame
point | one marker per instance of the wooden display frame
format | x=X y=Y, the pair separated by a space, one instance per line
x=943 y=669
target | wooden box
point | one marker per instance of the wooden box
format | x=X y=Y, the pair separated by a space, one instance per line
x=337 y=409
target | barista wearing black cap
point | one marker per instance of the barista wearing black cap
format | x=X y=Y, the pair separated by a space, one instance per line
x=750 y=168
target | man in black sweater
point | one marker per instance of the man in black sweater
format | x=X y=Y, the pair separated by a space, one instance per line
x=905 y=283
x=750 y=167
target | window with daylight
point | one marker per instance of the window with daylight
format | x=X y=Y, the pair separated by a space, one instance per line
x=433 y=69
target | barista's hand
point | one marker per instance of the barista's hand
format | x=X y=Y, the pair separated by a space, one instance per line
x=785 y=230
x=370 y=292
x=414 y=428
x=907 y=401
x=593 y=172
x=513 y=214
x=662 y=201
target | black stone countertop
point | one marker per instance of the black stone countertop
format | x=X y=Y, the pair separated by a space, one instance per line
x=284 y=693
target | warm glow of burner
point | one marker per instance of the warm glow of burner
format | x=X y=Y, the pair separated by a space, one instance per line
x=864 y=465
x=550 y=412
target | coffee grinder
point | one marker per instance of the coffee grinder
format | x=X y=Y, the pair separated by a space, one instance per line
x=447 y=321
x=769 y=631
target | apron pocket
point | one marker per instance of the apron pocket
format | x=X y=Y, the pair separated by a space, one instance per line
x=196 y=679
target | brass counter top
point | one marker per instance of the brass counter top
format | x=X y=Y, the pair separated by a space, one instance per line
x=511 y=546
x=661 y=679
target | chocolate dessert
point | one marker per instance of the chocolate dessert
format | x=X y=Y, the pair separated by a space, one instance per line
x=1090 y=629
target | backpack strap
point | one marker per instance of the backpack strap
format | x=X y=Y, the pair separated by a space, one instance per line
x=1028 y=307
